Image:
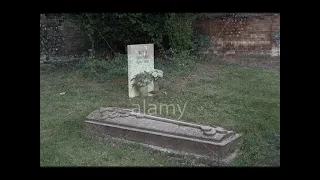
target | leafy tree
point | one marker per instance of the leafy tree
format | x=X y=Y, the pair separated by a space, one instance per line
x=113 y=31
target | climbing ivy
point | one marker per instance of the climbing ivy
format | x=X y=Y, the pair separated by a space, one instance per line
x=51 y=38
x=179 y=30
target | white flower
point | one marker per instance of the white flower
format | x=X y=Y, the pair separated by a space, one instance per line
x=154 y=74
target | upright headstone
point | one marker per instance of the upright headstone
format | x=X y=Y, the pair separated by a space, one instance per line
x=140 y=59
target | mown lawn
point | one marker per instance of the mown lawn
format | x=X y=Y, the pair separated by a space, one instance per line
x=243 y=99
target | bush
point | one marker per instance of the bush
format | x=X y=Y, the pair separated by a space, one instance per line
x=93 y=67
x=183 y=59
x=101 y=68
x=118 y=65
x=179 y=30
x=110 y=30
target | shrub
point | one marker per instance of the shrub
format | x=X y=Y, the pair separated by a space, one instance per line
x=179 y=30
x=183 y=59
x=94 y=67
x=118 y=65
x=110 y=30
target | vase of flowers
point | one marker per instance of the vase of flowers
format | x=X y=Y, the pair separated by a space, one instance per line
x=141 y=82
x=156 y=75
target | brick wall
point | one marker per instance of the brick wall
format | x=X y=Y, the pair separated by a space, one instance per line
x=242 y=35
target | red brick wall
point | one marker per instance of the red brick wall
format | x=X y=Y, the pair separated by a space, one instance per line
x=242 y=35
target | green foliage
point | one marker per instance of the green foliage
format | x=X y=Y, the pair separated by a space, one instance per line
x=200 y=42
x=101 y=68
x=118 y=65
x=94 y=67
x=112 y=32
x=47 y=68
x=179 y=30
x=183 y=59
x=142 y=79
x=116 y=30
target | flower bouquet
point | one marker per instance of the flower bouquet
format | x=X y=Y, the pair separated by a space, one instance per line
x=141 y=82
x=156 y=75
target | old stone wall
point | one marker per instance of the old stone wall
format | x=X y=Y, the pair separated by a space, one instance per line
x=59 y=37
x=243 y=35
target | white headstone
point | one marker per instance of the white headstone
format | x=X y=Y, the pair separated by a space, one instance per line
x=140 y=59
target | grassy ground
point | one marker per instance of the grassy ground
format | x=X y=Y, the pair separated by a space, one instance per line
x=243 y=99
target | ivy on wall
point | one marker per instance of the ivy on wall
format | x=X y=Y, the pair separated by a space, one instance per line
x=51 y=37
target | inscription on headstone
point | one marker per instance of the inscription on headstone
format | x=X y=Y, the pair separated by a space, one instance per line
x=140 y=59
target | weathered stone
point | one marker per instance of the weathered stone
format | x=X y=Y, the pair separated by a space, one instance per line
x=113 y=115
x=205 y=128
x=124 y=115
x=139 y=115
x=167 y=133
x=110 y=109
x=102 y=109
x=105 y=117
x=221 y=130
x=210 y=133
x=105 y=113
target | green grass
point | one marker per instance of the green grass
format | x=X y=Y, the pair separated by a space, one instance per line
x=243 y=99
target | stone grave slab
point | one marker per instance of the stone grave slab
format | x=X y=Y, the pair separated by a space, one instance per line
x=162 y=132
